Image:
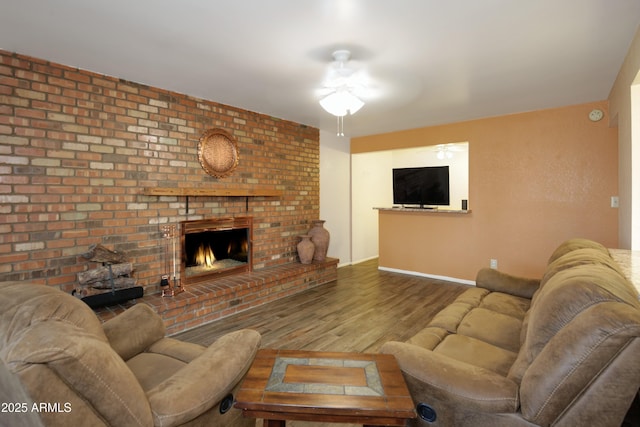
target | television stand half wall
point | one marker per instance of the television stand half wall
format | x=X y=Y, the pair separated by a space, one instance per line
x=427 y=242
x=431 y=209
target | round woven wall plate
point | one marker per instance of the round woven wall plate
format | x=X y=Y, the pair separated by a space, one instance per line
x=218 y=153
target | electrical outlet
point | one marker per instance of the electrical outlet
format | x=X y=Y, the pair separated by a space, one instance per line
x=493 y=263
x=615 y=202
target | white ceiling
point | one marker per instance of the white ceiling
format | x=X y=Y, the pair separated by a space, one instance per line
x=429 y=61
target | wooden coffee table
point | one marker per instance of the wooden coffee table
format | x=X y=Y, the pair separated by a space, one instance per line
x=354 y=388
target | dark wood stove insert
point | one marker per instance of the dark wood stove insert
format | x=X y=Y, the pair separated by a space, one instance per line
x=215 y=247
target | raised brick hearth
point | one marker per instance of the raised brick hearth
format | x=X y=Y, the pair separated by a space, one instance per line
x=204 y=302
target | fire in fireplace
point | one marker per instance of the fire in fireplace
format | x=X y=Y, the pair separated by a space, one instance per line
x=215 y=247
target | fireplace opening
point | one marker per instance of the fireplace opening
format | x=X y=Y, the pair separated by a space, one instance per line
x=215 y=247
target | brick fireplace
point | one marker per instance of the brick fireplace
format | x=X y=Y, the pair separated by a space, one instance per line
x=79 y=151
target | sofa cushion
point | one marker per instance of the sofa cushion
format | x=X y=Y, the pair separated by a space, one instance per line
x=576 y=356
x=583 y=256
x=568 y=293
x=497 y=329
x=450 y=317
x=472 y=297
x=573 y=244
x=428 y=337
x=434 y=376
x=562 y=298
x=497 y=281
x=477 y=353
x=509 y=305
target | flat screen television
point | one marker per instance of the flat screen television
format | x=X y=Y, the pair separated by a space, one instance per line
x=423 y=186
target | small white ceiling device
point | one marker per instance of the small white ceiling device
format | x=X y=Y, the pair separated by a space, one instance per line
x=596 y=115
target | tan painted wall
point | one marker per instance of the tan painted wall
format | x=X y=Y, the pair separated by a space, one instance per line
x=535 y=179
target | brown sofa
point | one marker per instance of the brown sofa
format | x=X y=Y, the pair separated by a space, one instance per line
x=125 y=372
x=563 y=350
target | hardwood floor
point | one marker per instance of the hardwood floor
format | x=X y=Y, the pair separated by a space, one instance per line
x=359 y=312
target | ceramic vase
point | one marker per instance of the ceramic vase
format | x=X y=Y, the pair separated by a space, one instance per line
x=306 y=249
x=320 y=238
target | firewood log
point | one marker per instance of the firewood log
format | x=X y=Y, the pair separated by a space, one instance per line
x=101 y=274
x=118 y=283
x=99 y=253
x=85 y=291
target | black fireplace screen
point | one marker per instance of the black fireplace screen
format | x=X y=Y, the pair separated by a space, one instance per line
x=210 y=248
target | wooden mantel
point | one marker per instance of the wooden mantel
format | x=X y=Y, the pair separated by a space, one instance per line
x=211 y=192
x=223 y=192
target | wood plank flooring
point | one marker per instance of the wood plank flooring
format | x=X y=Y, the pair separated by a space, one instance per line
x=359 y=312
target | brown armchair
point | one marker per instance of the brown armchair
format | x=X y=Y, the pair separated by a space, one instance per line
x=125 y=372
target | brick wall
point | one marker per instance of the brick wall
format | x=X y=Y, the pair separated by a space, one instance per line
x=76 y=149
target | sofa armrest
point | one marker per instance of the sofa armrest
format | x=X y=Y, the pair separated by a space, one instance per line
x=498 y=281
x=448 y=380
x=203 y=382
x=134 y=330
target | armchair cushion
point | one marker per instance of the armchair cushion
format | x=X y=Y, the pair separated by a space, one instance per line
x=23 y=305
x=128 y=341
x=12 y=392
x=179 y=350
x=188 y=392
x=88 y=366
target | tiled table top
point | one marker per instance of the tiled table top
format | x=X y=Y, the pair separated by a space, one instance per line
x=355 y=377
x=327 y=387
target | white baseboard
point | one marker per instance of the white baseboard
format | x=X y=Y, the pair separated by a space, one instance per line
x=430 y=276
x=364 y=260
x=345 y=264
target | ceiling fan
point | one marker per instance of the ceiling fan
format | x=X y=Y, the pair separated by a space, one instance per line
x=343 y=88
x=448 y=150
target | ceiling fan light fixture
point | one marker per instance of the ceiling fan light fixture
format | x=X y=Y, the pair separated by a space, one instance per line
x=341 y=102
x=342 y=81
x=444 y=150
